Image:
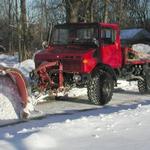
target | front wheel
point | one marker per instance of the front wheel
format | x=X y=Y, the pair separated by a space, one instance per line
x=100 y=88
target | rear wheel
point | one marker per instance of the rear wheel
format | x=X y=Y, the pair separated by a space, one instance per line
x=142 y=86
x=100 y=88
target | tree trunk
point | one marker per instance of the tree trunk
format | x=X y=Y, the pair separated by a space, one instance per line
x=106 y=11
x=79 y=11
x=23 y=27
x=72 y=8
x=9 y=25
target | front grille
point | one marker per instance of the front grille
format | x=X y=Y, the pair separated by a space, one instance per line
x=72 y=65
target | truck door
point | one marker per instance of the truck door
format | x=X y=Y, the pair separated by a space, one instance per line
x=110 y=47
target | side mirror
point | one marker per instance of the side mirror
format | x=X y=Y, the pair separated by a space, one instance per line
x=96 y=42
x=44 y=44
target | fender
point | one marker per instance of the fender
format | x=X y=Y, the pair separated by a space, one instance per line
x=108 y=69
x=19 y=80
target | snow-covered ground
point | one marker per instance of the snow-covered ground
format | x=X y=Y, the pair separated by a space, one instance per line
x=121 y=127
x=118 y=125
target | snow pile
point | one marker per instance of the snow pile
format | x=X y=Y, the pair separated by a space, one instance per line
x=143 y=48
x=25 y=67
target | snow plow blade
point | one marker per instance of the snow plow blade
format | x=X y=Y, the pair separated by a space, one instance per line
x=15 y=83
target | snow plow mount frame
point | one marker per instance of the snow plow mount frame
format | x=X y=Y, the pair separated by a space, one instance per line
x=45 y=79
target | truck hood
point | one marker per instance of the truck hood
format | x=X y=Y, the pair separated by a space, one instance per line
x=61 y=53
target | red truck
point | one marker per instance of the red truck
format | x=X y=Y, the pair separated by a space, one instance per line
x=91 y=55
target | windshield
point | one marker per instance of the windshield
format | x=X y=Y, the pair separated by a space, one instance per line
x=74 y=35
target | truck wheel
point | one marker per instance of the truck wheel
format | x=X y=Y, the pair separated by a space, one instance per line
x=100 y=88
x=142 y=86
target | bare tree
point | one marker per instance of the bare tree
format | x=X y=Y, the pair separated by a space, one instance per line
x=72 y=9
x=19 y=25
x=23 y=29
x=79 y=11
x=106 y=7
